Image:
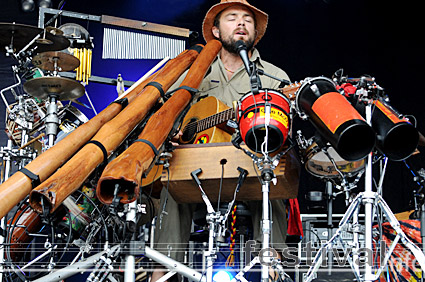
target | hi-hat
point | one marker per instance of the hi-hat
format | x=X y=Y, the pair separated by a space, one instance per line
x=18 y=36
x=54 y=30
x=63 y=88
x=63 y=61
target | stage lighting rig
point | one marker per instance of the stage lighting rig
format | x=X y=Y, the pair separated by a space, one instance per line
x=29 y=5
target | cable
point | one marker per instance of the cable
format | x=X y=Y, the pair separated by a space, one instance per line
x=222 y=162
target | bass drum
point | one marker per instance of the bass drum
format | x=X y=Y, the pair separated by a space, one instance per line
x=318 y=163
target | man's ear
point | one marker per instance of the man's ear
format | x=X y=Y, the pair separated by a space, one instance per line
x=216 y=32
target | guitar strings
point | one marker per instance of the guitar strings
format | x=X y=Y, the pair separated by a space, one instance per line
x=203 y=122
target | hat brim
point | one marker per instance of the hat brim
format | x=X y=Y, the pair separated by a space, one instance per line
x=261 y=19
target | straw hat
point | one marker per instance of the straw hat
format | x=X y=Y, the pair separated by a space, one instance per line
x=261 y=18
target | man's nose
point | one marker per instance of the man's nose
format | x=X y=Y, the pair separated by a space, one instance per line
x=241 y=22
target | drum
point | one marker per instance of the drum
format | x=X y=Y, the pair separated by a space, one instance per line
x=318 y=163
x=335 y=118
x=396 y=138
x=252 y=120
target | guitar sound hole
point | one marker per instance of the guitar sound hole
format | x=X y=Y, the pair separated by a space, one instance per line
x=189 y=132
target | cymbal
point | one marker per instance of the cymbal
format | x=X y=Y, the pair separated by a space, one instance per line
x=63 y=88
x=54 y=30
x=19 y=35
x=65 y=62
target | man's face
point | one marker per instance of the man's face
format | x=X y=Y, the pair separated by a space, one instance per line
x=235 y=23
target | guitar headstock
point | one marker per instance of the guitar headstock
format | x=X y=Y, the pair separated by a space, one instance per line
x=290 y=90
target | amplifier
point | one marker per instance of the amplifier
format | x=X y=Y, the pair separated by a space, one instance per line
x=316 y=232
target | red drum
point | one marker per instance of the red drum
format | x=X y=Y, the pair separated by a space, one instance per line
x=252 y=120
x=335 y=118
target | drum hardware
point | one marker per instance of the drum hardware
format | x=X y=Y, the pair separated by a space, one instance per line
x=9 y=155
x=216 y=221
x=370 y=200
x=418 y=198
x=266 y=164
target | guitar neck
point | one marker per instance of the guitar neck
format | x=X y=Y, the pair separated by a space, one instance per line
x=215 y=119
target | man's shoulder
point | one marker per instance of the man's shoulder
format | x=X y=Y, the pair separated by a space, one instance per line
x=274 y=70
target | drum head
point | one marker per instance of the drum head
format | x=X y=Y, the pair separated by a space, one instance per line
x=318 y=163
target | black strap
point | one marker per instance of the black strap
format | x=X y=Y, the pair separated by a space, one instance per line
x=158 y=86
x=123 y=102
x=150 y=145
x=35 y=179
x=192 y=91
x=197 y=48
x=101 y=147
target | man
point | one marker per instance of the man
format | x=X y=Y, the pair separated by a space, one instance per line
x=228 y=21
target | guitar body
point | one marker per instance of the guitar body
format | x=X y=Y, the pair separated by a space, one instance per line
x=207 y=107
x=198 y=112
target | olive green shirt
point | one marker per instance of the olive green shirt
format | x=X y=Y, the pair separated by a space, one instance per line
x=217 y=84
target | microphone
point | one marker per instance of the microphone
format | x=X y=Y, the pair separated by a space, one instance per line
x=241 y=48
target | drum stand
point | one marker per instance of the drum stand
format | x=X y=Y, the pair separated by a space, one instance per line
x=369 y=199
x=52 y=120
x=216 y=221
x=266 y=165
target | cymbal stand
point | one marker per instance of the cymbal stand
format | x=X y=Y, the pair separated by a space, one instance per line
x=52 y=120
x=369 y=199
x=14 y=68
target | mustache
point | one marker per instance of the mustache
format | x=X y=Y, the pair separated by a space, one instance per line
x=241 y=30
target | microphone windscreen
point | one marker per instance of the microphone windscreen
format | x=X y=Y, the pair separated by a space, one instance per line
x=240 y=45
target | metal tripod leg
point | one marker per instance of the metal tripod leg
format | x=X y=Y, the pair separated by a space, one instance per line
x=317 y=261
x=379 y=201
x=417 y=252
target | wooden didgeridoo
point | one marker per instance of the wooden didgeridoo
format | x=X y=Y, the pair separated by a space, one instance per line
x=126 y=170
x=18 y=186
x=54 y=190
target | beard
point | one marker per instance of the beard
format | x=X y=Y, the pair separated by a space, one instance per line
x=229 y=44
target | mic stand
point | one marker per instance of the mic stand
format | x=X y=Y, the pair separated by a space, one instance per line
x=254 y=78
x=283 y=81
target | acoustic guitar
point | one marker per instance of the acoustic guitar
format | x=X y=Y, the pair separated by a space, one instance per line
x=200 y=126
x=205 y=123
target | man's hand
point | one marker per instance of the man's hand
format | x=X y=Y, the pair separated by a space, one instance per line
x=176 y=138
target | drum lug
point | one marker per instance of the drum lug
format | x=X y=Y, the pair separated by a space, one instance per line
x=301 y=141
